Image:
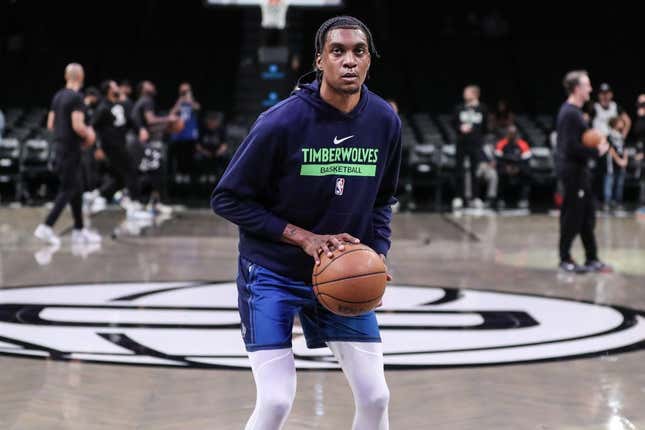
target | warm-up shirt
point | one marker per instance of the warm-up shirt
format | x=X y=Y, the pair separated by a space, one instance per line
x=111 y=123
x=306 y=163
x=570 y=151
x=476 y=116
x=67 y=141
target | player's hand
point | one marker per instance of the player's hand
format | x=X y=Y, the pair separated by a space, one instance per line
x=316 y=244
x=143 y=135
x=99 y=155
x=466 y=128
x=387 y=271
x=90 y=136
x=603 y=147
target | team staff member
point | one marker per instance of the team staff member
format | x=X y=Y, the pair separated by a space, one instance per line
x=578 y=214
x=67 y=119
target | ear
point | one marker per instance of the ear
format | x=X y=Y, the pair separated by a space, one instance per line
x=319 y=62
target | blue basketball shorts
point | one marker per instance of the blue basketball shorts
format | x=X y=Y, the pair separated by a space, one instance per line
x=268 y=303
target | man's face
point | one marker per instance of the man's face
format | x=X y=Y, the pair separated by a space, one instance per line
x=605 y=98
x=125 y=89
x=184 y=89
x=212 y=123
x=113 y=92
x=470 y=94
x=150 y=89
x=583 y=90
x=511 y=133
x=345 y=60
x=90 y=100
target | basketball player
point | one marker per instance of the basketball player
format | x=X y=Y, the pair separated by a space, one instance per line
x=151 y=128
x=323 y=161
x=111 y=124
x=67 y=120
x=577 y=215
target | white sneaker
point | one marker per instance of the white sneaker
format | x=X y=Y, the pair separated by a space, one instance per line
x=85 y=236
x=44 y=256
x=161 y=208
x=98 y=204
x=134 y=210
x=140 y=215
x=457 y=203
x=89 y=196
x=46 y=234
x=82 y=249
x=478 y=204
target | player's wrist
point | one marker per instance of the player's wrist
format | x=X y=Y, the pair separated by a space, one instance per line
x=294 y=235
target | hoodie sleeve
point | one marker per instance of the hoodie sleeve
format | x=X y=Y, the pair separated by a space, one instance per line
x=238 y=195
x=382 y=211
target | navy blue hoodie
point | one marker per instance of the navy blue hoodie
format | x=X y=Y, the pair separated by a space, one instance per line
x=306 y=163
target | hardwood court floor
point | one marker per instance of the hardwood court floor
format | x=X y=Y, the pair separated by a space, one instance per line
x=473 y=260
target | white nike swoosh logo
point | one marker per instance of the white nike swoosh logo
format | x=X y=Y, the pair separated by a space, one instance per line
x=337 y=140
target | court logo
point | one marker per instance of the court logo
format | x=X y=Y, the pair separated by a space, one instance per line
x=191 y=324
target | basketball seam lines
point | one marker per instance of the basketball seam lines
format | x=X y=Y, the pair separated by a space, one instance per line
x=350 y=301
x=317 y=284
x=334 y=259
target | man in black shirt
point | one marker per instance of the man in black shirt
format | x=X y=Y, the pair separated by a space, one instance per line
x=470 y=123
x=151 y=127
x=212 y=151
x=111 y=124
x=67 y=120
x=577 y=215
x=143 y=112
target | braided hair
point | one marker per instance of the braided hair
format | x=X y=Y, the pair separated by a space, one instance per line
x=341 y=22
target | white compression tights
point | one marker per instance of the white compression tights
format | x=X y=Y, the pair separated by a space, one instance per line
x=274 y=372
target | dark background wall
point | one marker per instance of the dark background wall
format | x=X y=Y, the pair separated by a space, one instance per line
x=518 y=52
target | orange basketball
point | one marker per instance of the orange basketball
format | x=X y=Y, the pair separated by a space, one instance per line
x=176 y=126
x=352 y=282
x=592 y=138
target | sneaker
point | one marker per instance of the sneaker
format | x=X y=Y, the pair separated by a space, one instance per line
x=457 y=203
x=134 y=210
x=139 y=215
x=606 y=208
x=478 y=204
x=571 y=266
x=161 y=208
x=98 y=204
x=46 y=234
x=85 y=236
x=598 y=266
x=89 y=196
x=44 y=256
x=83 y=250
x=523 y=204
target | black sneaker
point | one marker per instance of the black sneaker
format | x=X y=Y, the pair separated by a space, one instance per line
x=571 y=266
x=598 y=266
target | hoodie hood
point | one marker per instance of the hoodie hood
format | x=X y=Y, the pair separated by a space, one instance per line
x=311 y=94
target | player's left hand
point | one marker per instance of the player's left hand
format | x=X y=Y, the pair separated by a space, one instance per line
x=387 y=271
x=99 y=155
